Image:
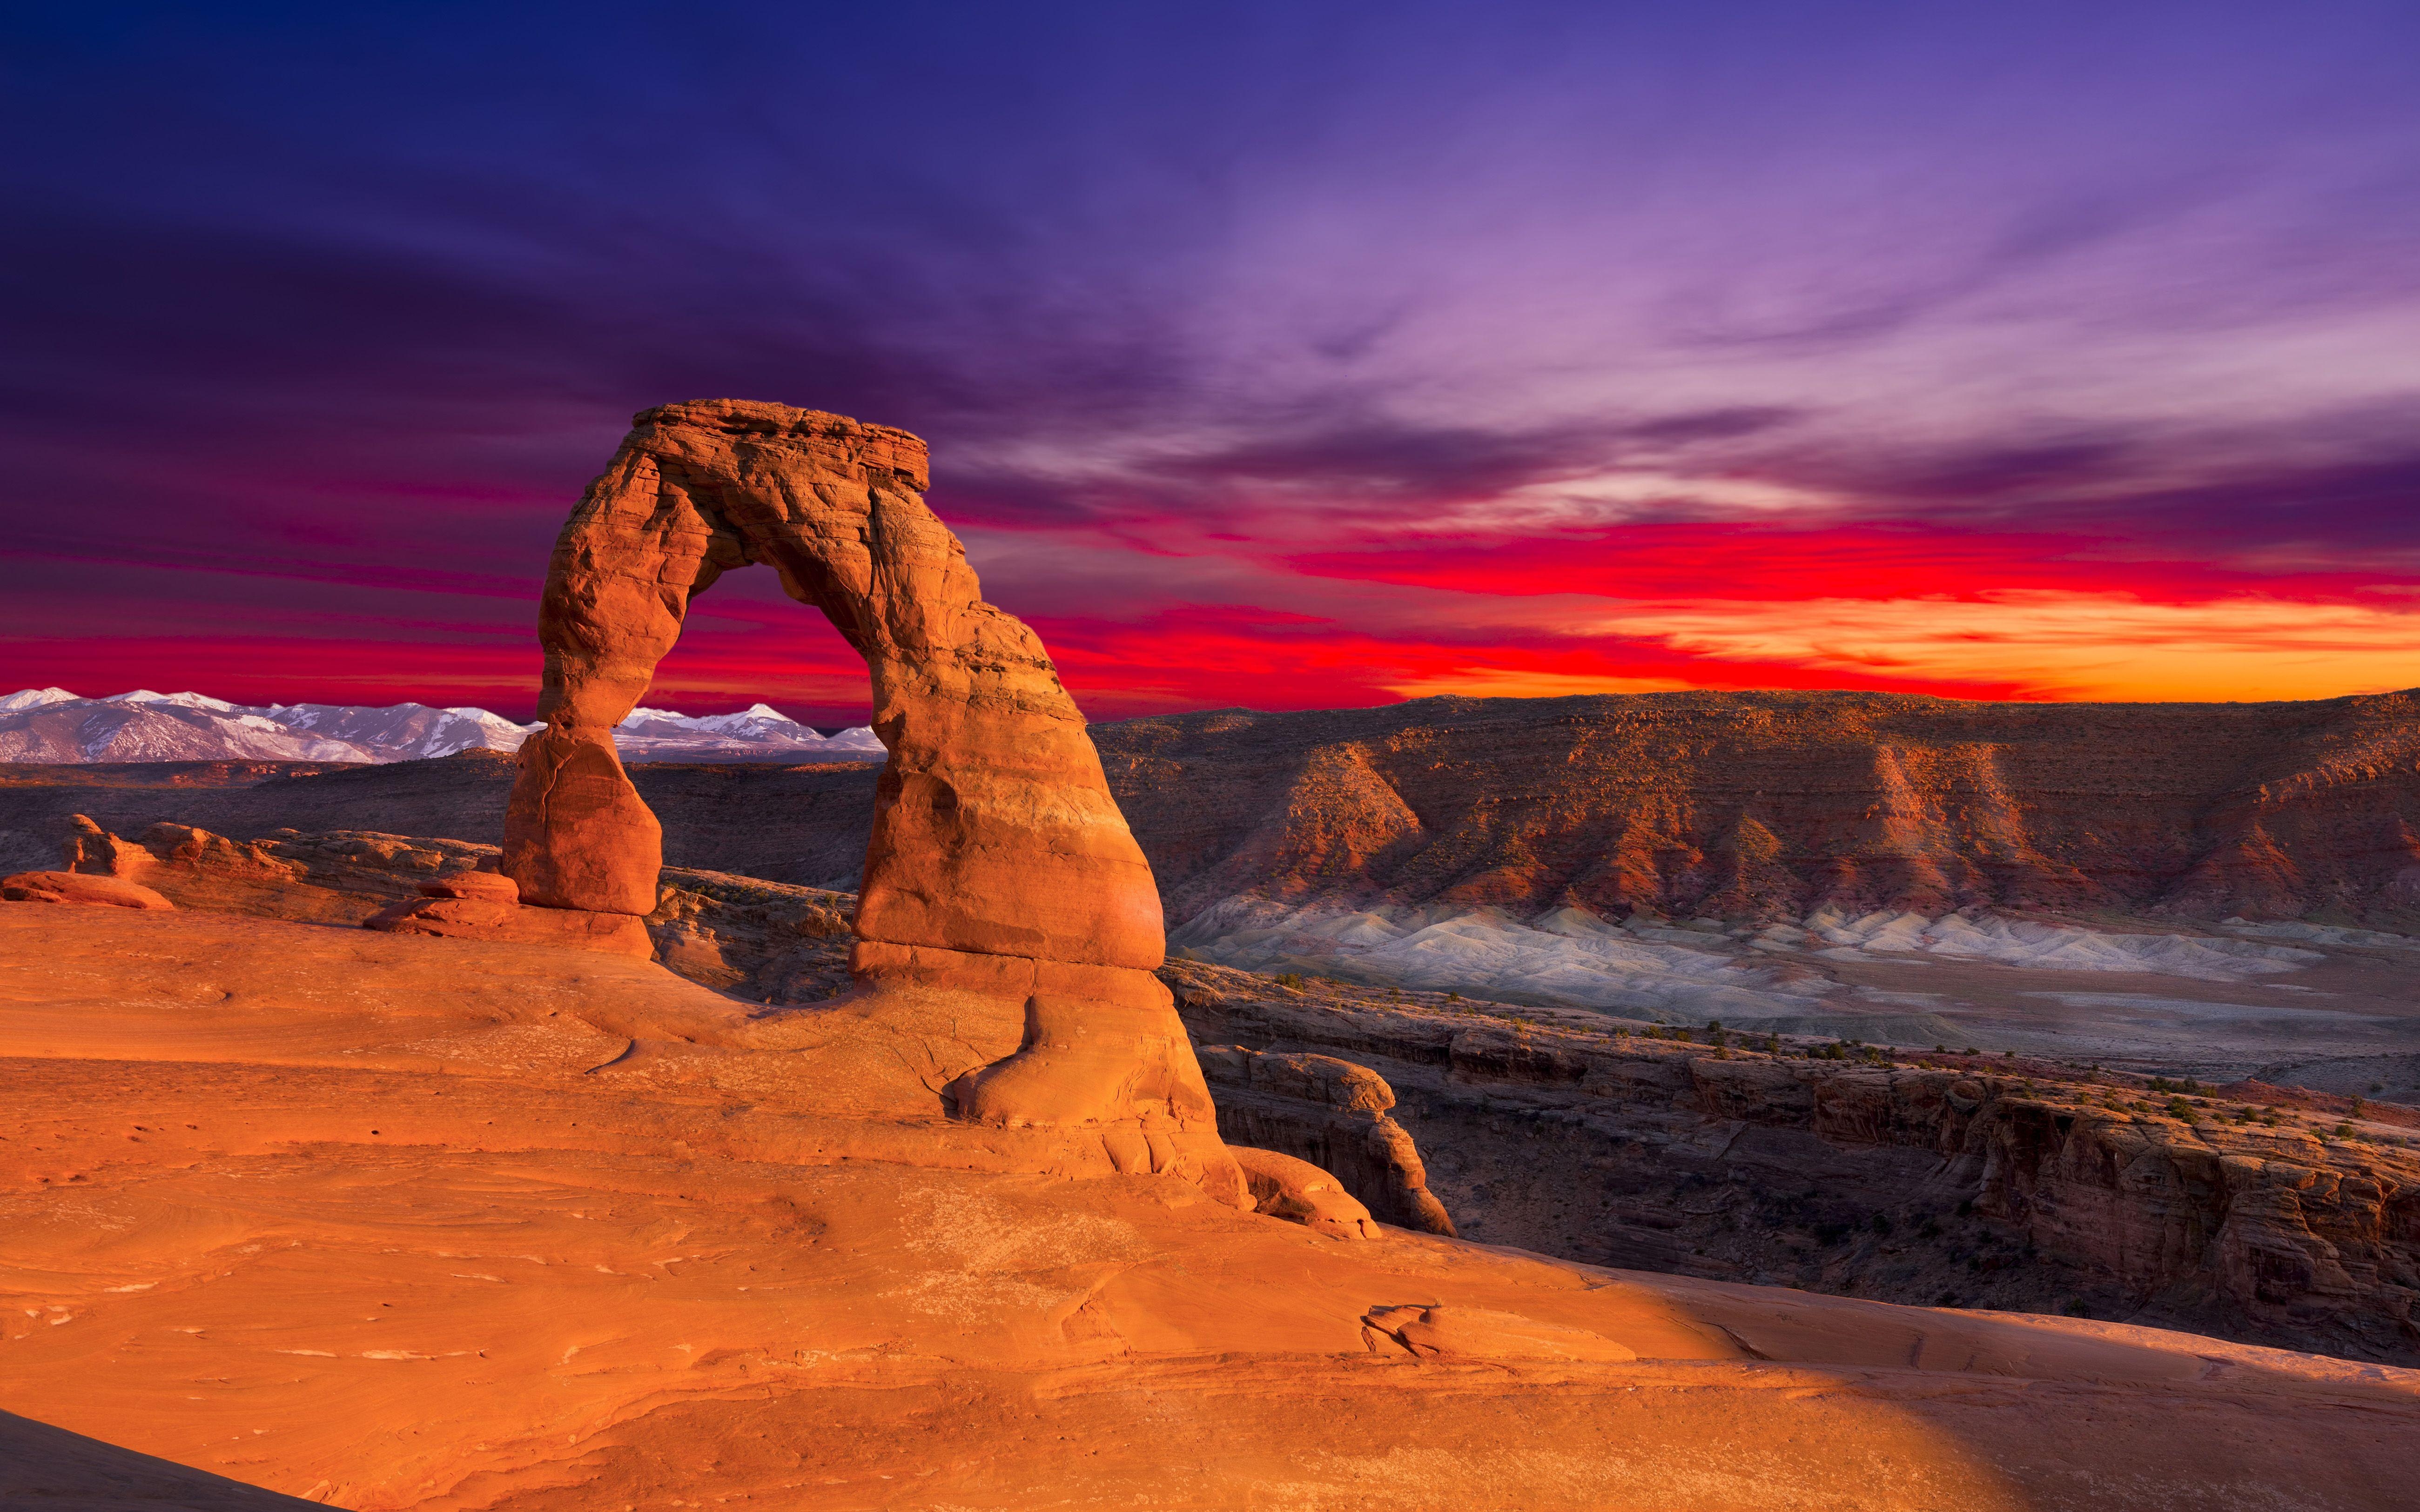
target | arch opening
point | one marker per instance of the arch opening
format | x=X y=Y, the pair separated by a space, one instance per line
x=998 y=870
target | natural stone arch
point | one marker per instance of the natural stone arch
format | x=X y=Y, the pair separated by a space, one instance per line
x=999 y=868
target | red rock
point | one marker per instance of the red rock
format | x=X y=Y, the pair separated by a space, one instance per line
x=493 y=886
x=1300 y=1192
x=75 y=888
x=493 y=919
x=998 y=870
x=576 y=833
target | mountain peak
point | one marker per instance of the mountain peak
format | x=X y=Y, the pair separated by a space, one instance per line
x=34 y=698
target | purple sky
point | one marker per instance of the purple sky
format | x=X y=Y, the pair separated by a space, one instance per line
x=1275 y=355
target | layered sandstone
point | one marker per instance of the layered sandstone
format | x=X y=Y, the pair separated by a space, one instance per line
x=1000 y=876
x=1774 y=805
x=75 y=888
x=1766 y=805
x=1332 y=1114
x=1983 y=1181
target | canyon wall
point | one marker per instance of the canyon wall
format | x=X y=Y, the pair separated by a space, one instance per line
x=1770 y=805
x=1965 y=1182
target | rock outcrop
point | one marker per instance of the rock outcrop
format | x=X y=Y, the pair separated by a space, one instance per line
x=1980 y=1181
x=1332 y=1114
x=1772 y=804
x=998 y=870
x=76 y=888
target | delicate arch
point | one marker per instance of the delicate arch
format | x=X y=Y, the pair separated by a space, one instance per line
x=994 y=831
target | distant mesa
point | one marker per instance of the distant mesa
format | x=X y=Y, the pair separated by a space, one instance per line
x=53 y=725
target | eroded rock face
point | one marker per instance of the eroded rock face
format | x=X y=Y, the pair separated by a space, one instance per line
x=1967 y=1181
x=76 y=888
x=999 y=866
x=1333 y=1113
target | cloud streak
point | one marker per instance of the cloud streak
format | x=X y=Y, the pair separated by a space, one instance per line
x=1284 y=356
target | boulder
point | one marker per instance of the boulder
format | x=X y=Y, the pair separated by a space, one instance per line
x=75 y=888
x=1300 y=1192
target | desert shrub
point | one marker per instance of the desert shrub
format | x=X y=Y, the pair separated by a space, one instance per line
x=1880 y=1223
x=1289 y=978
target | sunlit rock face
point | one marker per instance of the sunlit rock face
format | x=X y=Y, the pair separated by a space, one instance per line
x=999 y=865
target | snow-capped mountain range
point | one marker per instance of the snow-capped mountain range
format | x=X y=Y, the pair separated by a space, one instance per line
x=51 y=724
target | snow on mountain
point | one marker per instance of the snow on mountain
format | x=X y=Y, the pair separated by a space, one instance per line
x=757 y=733
x=33 y=698
x=157 y=728
x=404 y=732
x=759 y=719
x=182 y=700
x=51 y=724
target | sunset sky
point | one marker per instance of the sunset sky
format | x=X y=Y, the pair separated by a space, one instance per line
x=1283 y=356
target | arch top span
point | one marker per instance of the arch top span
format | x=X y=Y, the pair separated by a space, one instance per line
x=994 y=830
x=1008 y=924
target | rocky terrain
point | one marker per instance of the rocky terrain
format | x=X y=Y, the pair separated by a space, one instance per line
x=2252 y=1211
x=383 y=1221
x=1775 y=805
x=2071 y=905
x=1915 y=1174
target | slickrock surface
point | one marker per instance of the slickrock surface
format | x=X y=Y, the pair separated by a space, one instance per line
x=74 y=887
x=1983 y=1181
x=1651 y=1155
x=389 y=1222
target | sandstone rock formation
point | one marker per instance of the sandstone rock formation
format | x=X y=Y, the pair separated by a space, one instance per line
x=1333 y=1113
x=1770 y=805
x=74 y=887
x=1977 y=1181
x=764 y=941
x=999 y=867
x=486 y=905
x=1300 y=1192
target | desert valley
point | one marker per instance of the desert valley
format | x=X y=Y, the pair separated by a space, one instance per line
x=1674 y=1100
